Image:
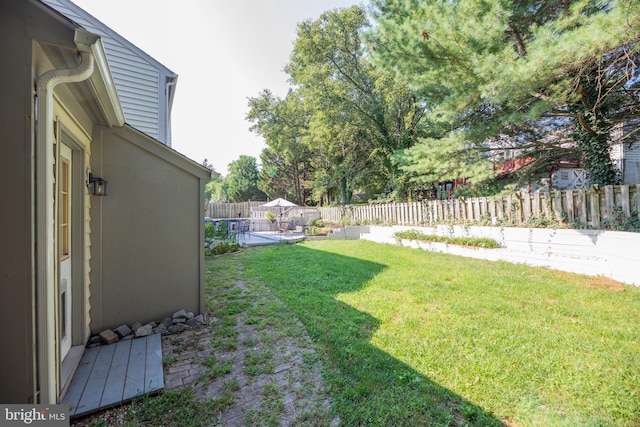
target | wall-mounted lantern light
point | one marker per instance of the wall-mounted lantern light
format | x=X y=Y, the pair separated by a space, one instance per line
x=97 y=186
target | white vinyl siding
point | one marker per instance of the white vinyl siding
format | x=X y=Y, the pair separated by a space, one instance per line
x=632 y=164
x=139 y=79
x=137 y=83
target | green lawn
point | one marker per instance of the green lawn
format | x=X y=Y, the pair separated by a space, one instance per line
x=409 y=337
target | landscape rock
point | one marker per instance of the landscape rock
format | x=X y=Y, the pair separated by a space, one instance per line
x=108 y=336
x=144 y=331
x=160 y=329
x=179 y=314
x=123 y=331
x=196 y=321
x=180 y=321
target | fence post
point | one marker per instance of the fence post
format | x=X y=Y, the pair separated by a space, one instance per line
x=556 y=205
x=536 y=204
x=484 y=209
x=595 y=206
x=625 y=200
x=610 y=202
x=474 y=204
x=571 y=213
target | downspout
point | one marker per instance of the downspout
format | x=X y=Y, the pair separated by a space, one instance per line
x=46 y=251
x=169 y=90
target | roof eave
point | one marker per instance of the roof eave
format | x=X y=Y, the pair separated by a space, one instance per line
x=101 y=80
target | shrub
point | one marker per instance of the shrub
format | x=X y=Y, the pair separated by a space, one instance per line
x=619 y=221
x=213 y=232
x=315 y=223
x=317 y=231
x=479 y=242
x=222 y=247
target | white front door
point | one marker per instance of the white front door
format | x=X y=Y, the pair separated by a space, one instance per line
x=64 y=249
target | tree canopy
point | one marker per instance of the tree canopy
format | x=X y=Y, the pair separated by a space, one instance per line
x=420 y=93
x=344 y=118
x=527 y=75
x=242 y=180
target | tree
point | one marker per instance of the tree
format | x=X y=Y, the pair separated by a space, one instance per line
x=286 y=160
x=242 y=180
x=513 y=75
x=359 y=116
x=217 y=190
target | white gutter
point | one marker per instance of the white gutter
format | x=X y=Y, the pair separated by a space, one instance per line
x=46 y=252
x=170 y=90
x=102 y=81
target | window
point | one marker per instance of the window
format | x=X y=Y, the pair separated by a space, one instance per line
x=64 y=214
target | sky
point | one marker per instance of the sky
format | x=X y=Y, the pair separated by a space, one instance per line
x=224 y=52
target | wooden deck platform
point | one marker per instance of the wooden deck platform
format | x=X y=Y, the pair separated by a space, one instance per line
x=111 y=374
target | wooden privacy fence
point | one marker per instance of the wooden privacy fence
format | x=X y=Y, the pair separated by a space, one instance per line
x=231 y=210
x=591 y=207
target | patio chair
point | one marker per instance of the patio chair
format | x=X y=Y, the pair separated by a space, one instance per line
x=243 y=228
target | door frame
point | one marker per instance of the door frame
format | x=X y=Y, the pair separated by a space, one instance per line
x=66 y=253
x=79 y=201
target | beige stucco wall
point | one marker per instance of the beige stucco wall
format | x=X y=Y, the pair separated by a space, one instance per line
x=147 y=258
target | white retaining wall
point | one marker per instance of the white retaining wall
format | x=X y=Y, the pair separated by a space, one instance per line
x=612 y=254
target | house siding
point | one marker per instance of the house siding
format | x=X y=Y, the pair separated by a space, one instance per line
x=16 y=217
x=140 y=80
x=155 y=205
x=625 y=150
x=632 y=164
x=137 y=83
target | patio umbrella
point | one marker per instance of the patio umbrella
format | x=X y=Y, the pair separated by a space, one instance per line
x=279 y=203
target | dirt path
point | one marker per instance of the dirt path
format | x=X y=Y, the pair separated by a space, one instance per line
x=262 y=366
x=276 y=378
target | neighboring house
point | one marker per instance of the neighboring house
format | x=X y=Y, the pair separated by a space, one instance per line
x=73 y=263
x=625 y=150
x=568 y=176
x=562 y=176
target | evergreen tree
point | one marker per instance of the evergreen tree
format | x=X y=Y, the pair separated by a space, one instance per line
x=242 y=181
x=513 y=75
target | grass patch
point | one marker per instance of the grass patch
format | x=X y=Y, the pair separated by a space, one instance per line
x=216 y=368
x=270 y=409
x=258 y=362
x=409 y=337
x=271 y=336
x=178 y=407
x=478 y=242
